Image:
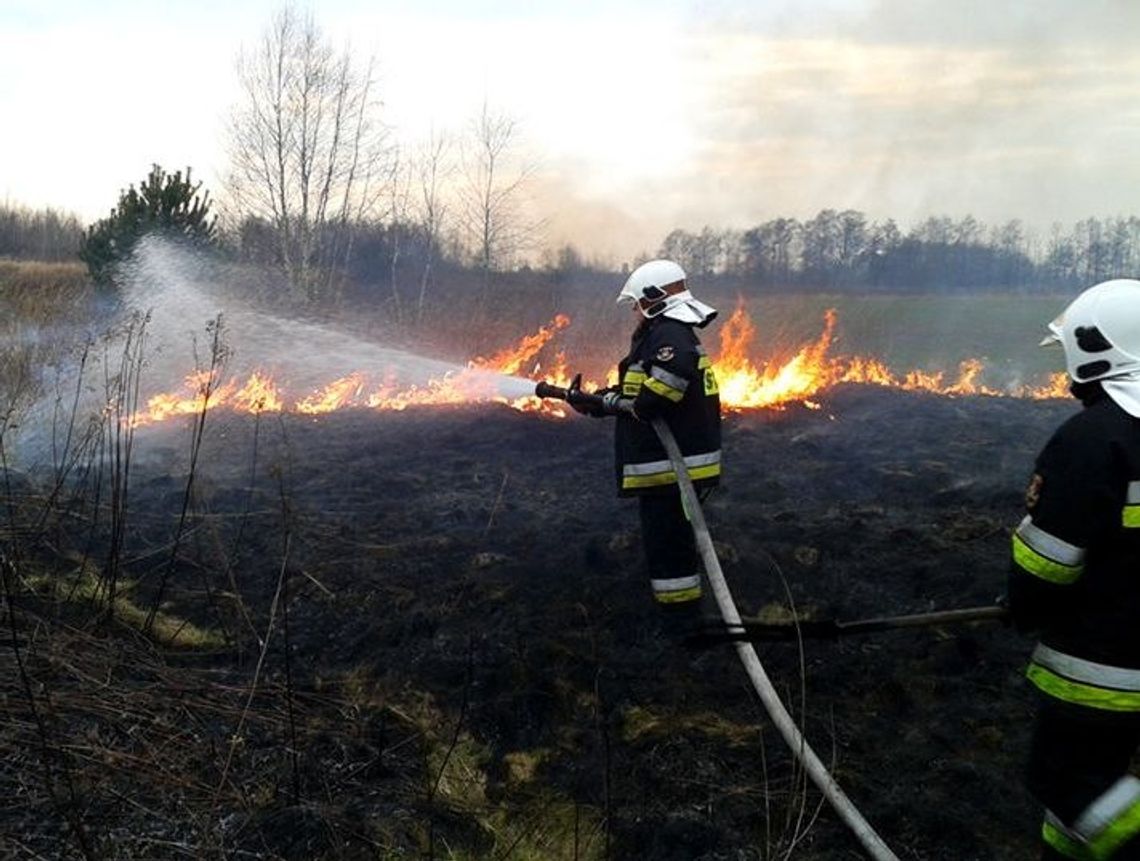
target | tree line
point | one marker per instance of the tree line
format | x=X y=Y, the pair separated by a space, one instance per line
x=39 y=234
x=397 y=260
x=833 y=251
x=845 y=250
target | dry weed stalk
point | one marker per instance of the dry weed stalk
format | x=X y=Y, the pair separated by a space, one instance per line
x=217 y=358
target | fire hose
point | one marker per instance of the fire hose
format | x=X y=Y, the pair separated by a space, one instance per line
x=793 y=736
x=830 y=629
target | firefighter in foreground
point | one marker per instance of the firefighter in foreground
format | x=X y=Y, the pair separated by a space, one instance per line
x=1075 y=580
x=667 y=374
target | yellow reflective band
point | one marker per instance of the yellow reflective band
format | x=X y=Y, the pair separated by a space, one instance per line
x=631 y=383
x=1112 y=819
x=664 y=389
x=1089 y=672
x=711 y=385
x=1130 y=518
x=657 y=479
x=1116 y=833
x=1063 y=843
x=1082 y=694
x=678 y=597
x=1042 y=566
x=704 y=362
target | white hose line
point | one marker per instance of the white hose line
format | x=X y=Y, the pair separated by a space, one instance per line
x=815 y=768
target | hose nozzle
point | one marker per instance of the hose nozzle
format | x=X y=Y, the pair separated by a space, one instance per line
x=547 y=390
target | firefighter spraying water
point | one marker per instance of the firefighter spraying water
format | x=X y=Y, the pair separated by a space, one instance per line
x=668 y=375
x=667 y=392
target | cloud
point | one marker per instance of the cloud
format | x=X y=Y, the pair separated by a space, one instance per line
x=1024 y=24
x=787 y=126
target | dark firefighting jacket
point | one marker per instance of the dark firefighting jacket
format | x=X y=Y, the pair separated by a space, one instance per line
x=667 y=374
x=1075 y=576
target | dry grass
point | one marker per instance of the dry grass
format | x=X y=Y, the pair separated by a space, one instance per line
x=41 y=303
x=85 y=588
x=136 y=743
x=35 y=286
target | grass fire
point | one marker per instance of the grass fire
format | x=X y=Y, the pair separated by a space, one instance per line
x=746 y=382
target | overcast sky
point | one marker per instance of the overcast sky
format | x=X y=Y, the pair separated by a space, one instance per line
x=642 y=116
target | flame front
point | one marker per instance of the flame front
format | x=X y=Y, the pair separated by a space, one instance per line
x=745 y=383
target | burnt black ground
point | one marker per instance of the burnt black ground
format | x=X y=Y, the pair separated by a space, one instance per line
x=475 y=661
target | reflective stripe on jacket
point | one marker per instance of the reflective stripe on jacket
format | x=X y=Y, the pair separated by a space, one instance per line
x=667 y=374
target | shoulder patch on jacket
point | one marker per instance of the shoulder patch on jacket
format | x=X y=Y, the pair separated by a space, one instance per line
x=1033 y=491
x=665 y=353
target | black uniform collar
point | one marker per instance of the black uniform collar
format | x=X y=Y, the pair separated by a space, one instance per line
x=1088 y=393
x=650 y=322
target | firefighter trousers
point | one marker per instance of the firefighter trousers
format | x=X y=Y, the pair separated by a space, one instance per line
x=1079 y=770
x=670 y=550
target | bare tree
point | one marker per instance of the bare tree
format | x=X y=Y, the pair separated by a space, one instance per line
x=434 y=169
x=306 y=147
x=490 y=194
x=399 y=209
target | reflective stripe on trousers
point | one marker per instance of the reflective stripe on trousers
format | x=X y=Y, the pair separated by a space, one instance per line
x=676 y=590
x=1085 y=683
x=1111 y=820
x=660 y=472
x=1061 y=839
x=1102 y=828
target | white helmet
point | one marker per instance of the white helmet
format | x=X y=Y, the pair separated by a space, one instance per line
x=1100 y=331
x=658 y=287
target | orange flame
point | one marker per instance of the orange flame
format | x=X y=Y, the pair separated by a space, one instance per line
x=745 y=386
x=745 y=383
x=338 y=394
x=204 y=393
x=259 y=394
x=509 y=361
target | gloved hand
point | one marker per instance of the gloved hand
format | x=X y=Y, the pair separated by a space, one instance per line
x=613 y=403
x=602 y=403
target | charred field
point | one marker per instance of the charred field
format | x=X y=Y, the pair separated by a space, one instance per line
x=426 y=634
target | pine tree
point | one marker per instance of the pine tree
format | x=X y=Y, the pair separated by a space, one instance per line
x=163 y=203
